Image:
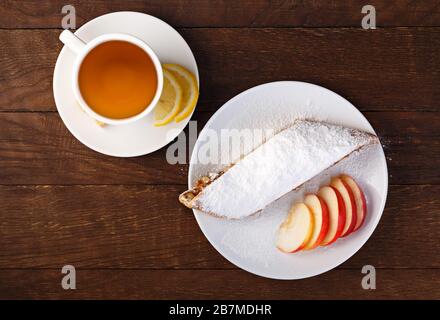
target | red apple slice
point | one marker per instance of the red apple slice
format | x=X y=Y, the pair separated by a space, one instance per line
x=320 y=218
x=336 y=209
x=295 y=231
x=350 y=205
x=359 y=199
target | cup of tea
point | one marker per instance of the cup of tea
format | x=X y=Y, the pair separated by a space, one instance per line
x=117 y=78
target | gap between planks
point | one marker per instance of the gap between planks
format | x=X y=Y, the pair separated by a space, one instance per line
x=212 y=112
x=163 y=185
x=328 y=27
x=202 y=269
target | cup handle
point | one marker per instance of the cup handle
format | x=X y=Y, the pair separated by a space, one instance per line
x=71 y=41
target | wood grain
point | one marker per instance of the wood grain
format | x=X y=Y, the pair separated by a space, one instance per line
x=220 y=284
x=36 y=148
x=118 y=220
x=381 y=70
x=145 y=227
x=229 y=13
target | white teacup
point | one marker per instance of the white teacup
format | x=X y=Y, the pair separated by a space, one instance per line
x=82 y=49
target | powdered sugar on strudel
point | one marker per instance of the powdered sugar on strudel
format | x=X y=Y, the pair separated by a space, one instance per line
x=283 y=163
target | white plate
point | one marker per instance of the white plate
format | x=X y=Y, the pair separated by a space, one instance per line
x=137 y=138
x=249 y=243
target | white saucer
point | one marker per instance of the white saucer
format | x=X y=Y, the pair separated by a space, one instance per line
x=137 y=138
x=250 y=243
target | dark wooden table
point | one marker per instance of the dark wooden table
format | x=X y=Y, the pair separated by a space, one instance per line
x=118 y=220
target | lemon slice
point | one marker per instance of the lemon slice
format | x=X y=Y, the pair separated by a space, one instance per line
x=190 y=89
x=170 y=102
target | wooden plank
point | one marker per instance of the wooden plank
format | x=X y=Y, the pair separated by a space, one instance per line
x=92 y=226
x=243 y=13
x=35 y=148
x=376 y=70
x=144 y=227
x=216 y=284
